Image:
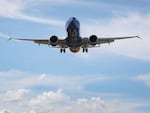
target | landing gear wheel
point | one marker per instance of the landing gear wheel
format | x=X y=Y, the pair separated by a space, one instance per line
x=85 y=50
x=62 y=50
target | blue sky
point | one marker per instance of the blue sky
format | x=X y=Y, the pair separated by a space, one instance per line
x=110 y=79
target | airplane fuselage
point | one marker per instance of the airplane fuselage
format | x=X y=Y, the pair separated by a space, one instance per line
x=73 y=39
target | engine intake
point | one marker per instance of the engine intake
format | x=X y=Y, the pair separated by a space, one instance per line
x=93 y=39
x=53 y=40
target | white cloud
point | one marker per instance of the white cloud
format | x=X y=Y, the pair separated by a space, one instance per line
x=2 y=35
x=11 y=73
x=18 y=79
x=18 y=92
x=56 y=3
x=5 y=111
x=15 y=9
x=58 y=101
x=51 y=101
x=51 y=97
x=10 y=9
x=16 y=95
x=42 y=76
x=143 y=78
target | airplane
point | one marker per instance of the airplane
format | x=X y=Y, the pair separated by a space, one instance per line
x=74 y=41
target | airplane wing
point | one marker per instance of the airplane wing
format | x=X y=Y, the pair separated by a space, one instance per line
x=89 y=44
x=86 y=42
x=112 y=39
x=61 y=42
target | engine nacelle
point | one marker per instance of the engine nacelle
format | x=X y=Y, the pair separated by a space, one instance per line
x=93 y=40
x=53 y=40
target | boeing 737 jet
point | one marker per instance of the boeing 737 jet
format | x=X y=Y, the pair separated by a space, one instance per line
x=73 y=40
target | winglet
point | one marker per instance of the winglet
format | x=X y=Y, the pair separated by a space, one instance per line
x=10 y=38
x=138 y=37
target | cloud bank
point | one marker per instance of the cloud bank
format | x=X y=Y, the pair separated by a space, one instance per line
x=58 y=101
x=19 y=89
x=19 y=79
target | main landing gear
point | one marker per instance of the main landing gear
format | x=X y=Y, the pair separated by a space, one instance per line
x=62 y=50
x=85 y=50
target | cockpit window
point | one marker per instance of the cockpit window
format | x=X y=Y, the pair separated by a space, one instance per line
x=73 y=18
x=75 y=21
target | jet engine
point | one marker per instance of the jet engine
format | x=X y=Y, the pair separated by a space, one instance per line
x=53 y=40
x=93 y=39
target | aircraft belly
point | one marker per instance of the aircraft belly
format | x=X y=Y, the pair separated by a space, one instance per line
x=74 y=44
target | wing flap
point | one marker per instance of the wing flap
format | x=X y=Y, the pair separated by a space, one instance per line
x=39 y=41
x=61 y=42
x=86 y=44
x=112 y=39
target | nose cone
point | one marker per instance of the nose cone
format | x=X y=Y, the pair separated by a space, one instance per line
x=72 y=22
x=73 y=18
